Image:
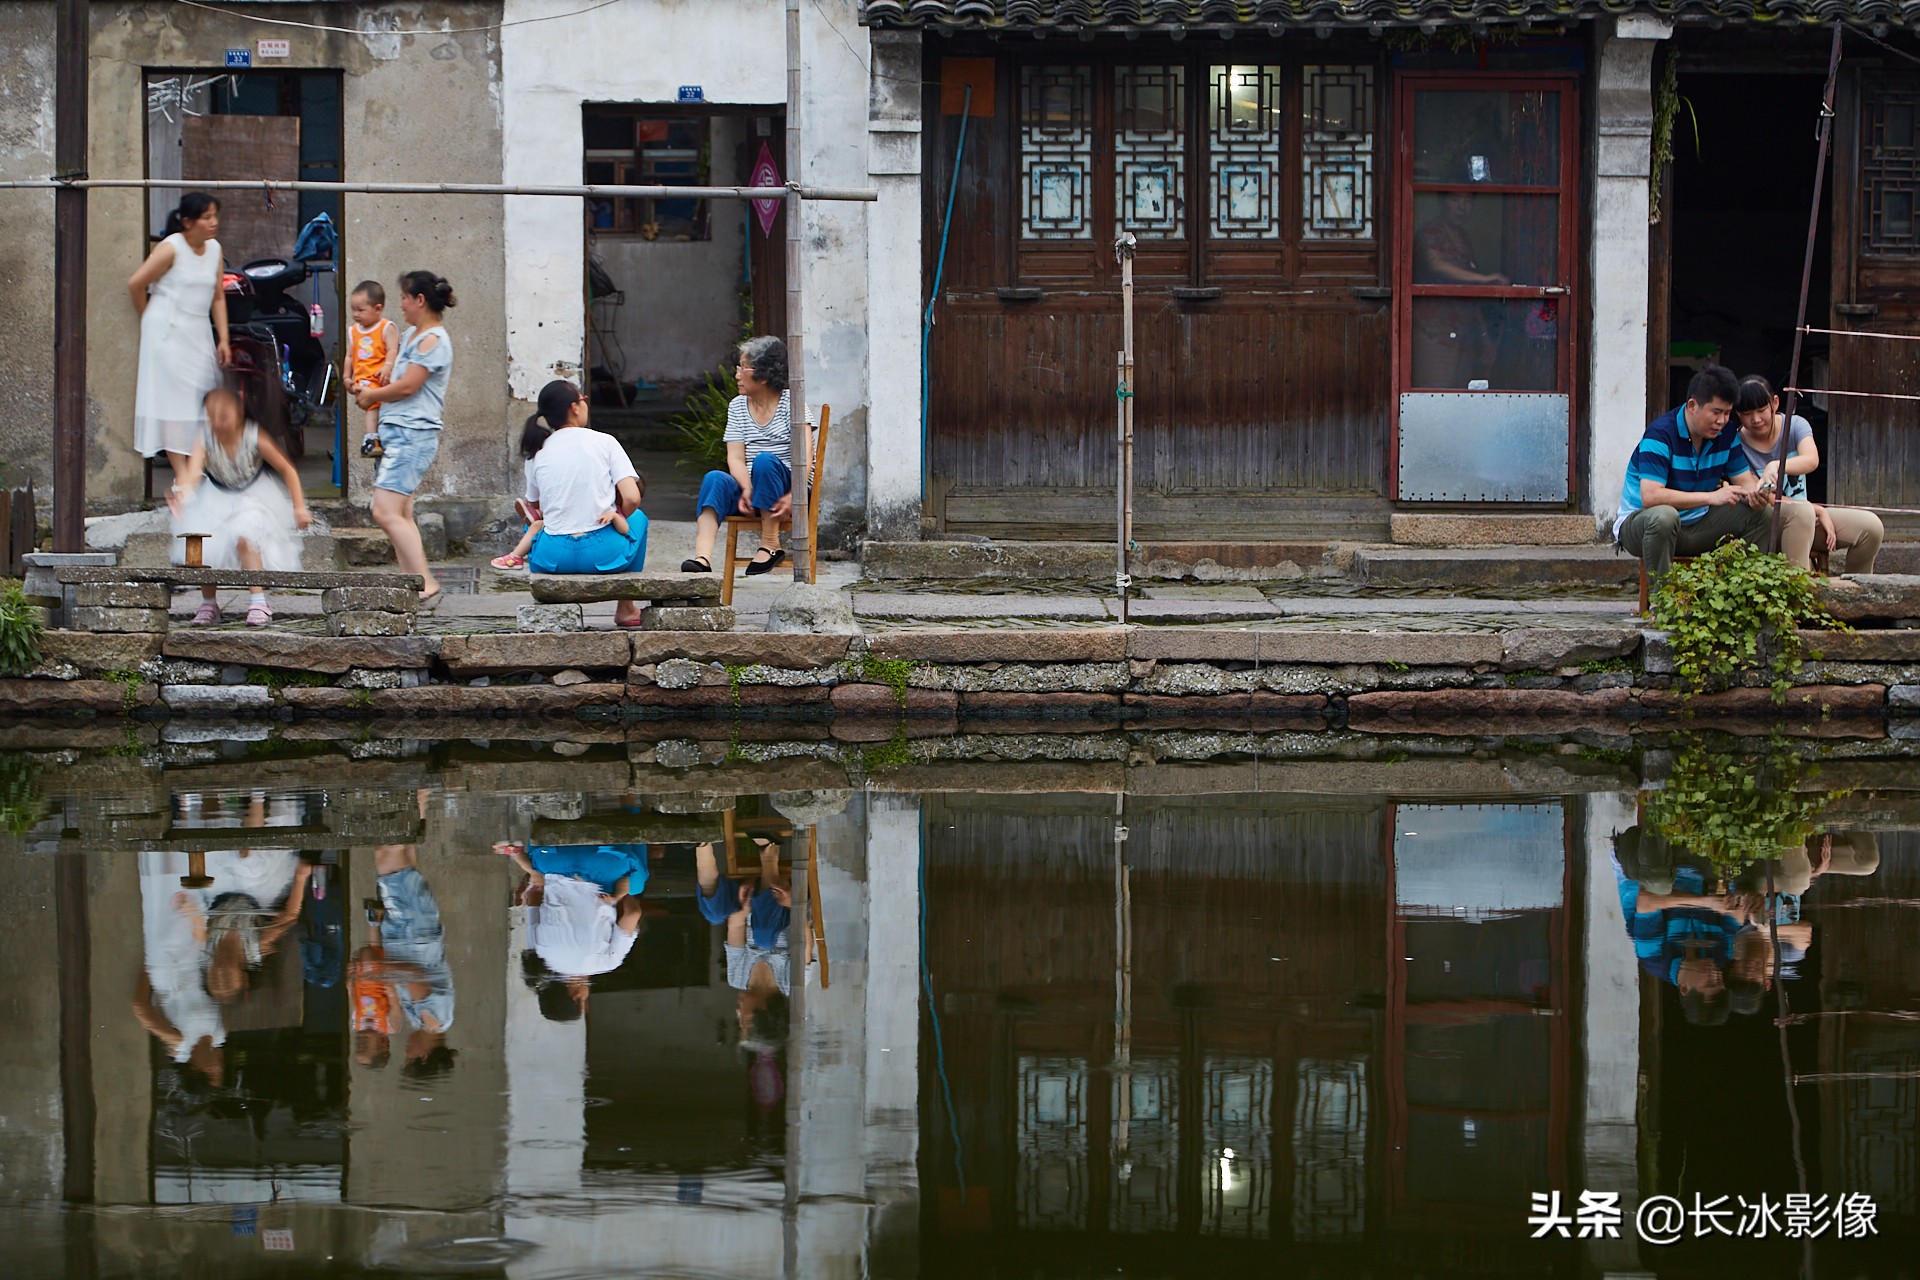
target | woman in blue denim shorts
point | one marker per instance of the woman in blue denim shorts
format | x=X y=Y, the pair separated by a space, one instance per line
x=411 y=405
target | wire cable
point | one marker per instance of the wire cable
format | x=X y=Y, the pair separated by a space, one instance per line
x=366 y=31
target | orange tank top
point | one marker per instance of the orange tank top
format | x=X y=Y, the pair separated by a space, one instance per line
x=370 y=353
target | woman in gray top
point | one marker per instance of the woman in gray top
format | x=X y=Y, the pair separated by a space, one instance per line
x=757 y=481
x=1801 y=522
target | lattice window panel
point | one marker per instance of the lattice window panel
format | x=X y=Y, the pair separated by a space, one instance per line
x=1878 y=1139
x=1146 y=1141
x=1056 y=153
x=1245 y=152
x=1051 y=1189
x=1890 y=171
x=1336 y=153
x=1330 y=1150
x=1150 y=151
x=1237 y=1188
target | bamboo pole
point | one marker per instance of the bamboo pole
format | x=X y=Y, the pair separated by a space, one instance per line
x=597 y=191
x=1122 y=580
x=1806 y=281
x=799 y=445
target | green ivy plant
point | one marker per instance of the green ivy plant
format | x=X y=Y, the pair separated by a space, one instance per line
x=1667 y=101
x=21 y=622
x=21 y=801
x=1732 y=810
x=1734 y=610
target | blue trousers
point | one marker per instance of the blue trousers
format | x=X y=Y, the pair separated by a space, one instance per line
x=772 y=481
x=603 y=864
x=605 y=550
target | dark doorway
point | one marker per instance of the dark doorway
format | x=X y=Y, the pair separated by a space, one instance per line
x=1738 y=210
x=203 y=125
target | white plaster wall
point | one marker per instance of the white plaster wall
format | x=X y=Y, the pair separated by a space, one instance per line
x=643 y=51
x=1617 y=386
x=1610 y=1029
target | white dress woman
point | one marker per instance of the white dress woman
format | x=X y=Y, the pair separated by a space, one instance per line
x=175 y=292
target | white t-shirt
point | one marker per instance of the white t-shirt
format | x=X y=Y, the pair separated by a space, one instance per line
x=573 y=477
x=576 y=933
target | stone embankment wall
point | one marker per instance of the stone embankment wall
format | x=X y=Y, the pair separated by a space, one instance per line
x=928 y=682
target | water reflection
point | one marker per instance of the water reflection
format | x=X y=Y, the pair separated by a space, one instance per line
x=490 y=1012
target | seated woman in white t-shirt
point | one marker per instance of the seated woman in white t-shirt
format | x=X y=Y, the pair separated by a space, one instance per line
x=589 y=498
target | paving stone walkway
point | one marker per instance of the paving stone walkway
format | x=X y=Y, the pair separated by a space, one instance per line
x=1332 y=604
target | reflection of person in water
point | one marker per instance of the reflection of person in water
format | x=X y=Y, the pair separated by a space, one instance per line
x=584 y=914
x=206 y=941
x=757 y=913
x=1681 y=933
x=413 y=961
x=1452 y=342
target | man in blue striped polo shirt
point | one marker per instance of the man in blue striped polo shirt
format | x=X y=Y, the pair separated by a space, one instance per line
x=1689 y=487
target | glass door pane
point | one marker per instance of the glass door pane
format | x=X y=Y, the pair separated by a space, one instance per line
x=1484 y=290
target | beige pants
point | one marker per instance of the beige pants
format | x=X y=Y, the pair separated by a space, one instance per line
x=1857 y=532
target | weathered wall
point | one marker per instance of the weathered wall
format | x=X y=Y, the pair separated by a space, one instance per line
x=416 y=108
x=642 y=51
x=26 y=244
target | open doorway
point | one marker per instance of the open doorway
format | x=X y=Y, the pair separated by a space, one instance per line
x=1737 y=226
x=672 y=286
x=206 y=126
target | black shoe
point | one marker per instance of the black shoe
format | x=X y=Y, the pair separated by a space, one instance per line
x=695 y=564
x=760 y=566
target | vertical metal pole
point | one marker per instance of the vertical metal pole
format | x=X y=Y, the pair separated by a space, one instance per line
x=1122 y=992
x=71 y=39
x=1122 y=580
x=796 y=315
x=1806 y=280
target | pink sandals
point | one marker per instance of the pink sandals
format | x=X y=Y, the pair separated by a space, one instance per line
x=508 y=561
x=259 y=615
x=206 y=615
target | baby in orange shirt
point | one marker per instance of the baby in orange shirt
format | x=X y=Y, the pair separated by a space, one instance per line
x=372 y=346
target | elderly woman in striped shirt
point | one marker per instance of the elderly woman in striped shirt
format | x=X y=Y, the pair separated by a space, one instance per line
x=758 y=480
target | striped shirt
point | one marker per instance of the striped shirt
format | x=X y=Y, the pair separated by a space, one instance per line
x=1667 y=455
x=776 y=436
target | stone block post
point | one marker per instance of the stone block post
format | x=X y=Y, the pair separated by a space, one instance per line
x=1617 y=381
x=894 y=291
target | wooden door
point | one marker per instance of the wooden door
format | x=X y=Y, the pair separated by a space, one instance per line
x=253 y=225
x=1873 y=440
x=1249 y=176
x=1487 y=191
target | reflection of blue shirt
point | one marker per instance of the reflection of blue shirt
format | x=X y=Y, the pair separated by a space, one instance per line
x=602 y=864
x=1661 y=938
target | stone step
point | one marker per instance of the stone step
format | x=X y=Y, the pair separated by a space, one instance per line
x=361 y=547
x=1090 y=561
x=1474 y=568
x=1467 y=529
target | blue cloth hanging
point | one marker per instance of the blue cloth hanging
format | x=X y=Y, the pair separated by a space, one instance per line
x=317 y=239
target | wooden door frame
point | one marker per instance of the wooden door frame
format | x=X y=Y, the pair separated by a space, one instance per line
x=1405 y=87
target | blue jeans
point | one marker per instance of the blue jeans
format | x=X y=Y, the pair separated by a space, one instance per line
x=406 y=453
x=605 y=550
x=772 y=481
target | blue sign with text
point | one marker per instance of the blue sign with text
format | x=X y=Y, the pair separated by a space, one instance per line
x=239 y=58
x=692 y=93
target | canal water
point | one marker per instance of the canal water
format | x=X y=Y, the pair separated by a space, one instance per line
x=562 y=1010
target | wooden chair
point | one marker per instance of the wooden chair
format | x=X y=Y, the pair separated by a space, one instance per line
x=734 y=525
